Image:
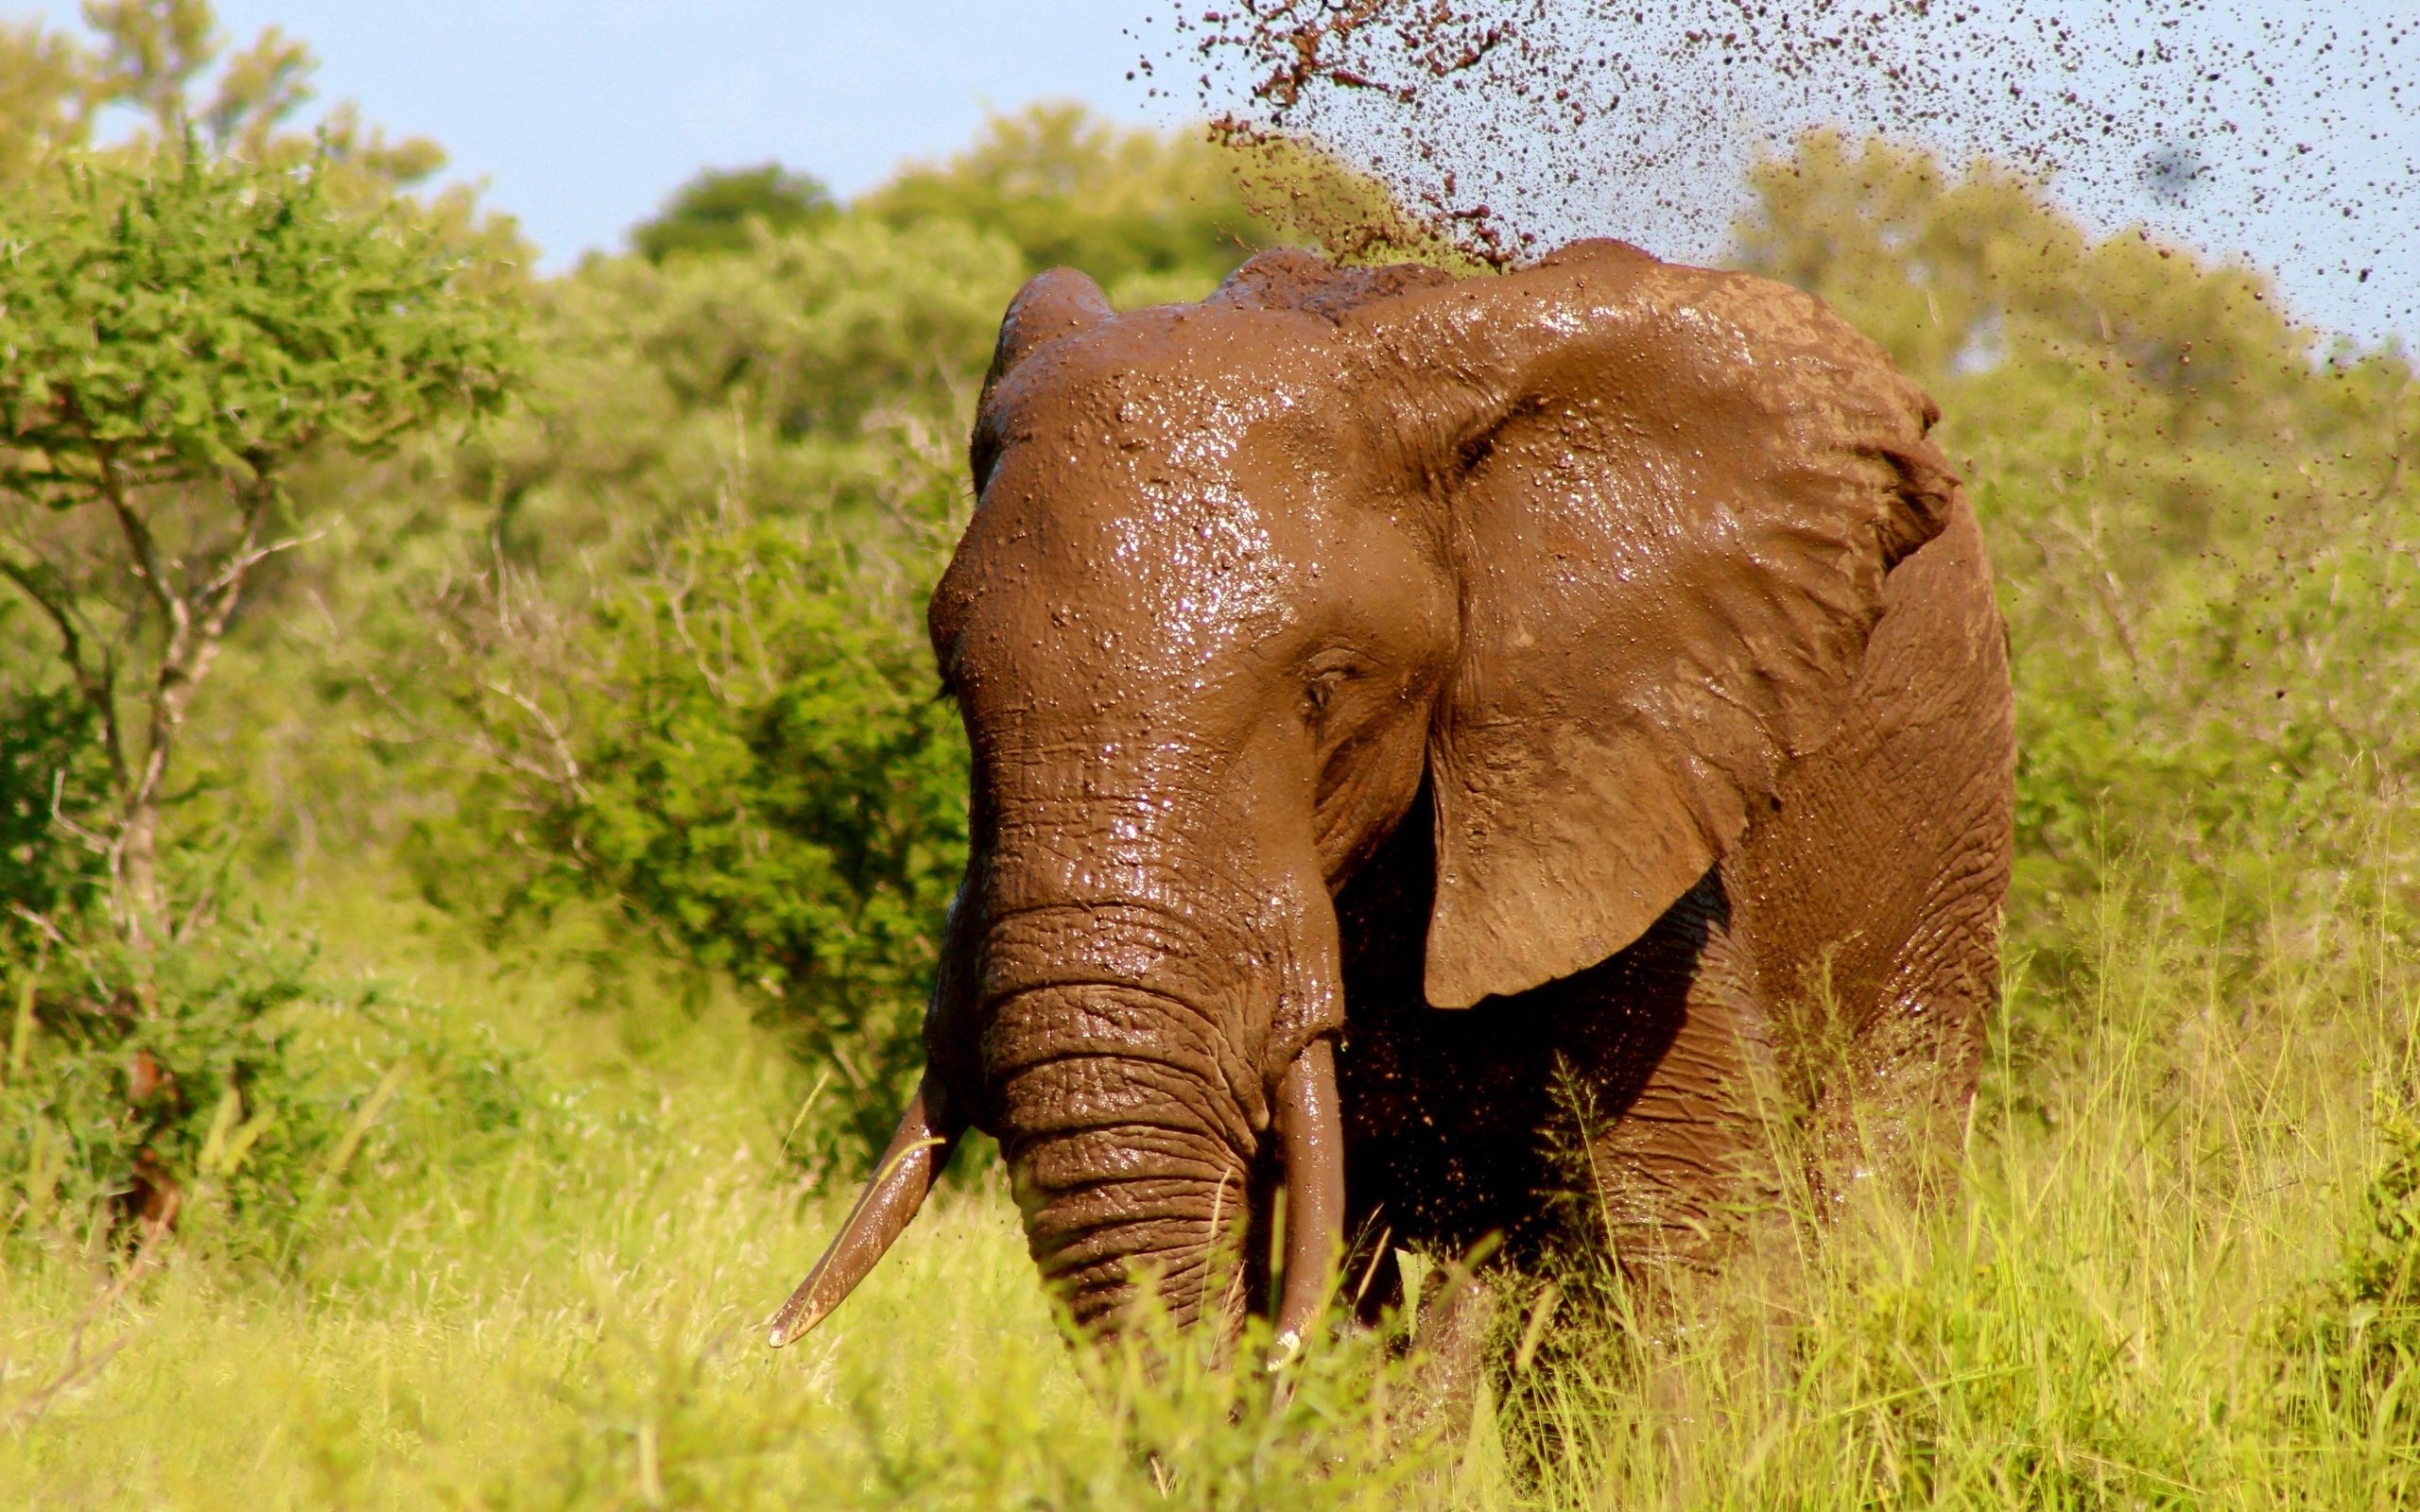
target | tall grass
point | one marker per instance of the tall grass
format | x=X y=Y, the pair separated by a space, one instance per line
x=2138 y=1299
x=2120 y=1308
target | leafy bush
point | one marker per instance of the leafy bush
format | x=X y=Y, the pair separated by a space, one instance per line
x=714 y=212
x=227 y=1090
x=689 y=669
x=740 y=750
x=181 y=331
x=783 y=378
x=1151 y=217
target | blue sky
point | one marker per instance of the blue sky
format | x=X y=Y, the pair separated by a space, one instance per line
x=581 y=115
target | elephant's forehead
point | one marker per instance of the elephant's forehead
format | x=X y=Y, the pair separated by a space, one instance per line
x=1152 y=502
x=1180 y=386
x=1159 y=570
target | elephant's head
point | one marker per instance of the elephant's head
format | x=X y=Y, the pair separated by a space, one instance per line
x=1594 y=548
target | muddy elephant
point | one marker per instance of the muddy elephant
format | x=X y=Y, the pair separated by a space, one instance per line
x=1412 y=715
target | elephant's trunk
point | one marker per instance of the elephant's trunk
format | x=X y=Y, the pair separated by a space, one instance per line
x=1133 y=1027
x=1129 y=1152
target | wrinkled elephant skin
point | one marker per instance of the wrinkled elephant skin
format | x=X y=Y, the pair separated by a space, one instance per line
x=1421 y=725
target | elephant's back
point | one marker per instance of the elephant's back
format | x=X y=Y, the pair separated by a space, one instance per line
x=1877 y=872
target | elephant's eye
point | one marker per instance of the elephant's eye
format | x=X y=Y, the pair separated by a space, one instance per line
x=1325 y=676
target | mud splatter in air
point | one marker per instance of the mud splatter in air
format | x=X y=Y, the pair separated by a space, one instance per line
x=2285 y=133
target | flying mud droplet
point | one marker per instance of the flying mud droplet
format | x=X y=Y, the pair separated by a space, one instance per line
x=2287 y=136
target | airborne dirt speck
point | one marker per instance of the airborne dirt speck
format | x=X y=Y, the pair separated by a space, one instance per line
x=2288 y=133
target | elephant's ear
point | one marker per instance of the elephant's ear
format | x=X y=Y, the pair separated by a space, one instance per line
x=1052 y=304
x=1671 y=496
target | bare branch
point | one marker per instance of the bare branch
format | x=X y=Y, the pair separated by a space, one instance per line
x=567 y=774
x=41 y=922
x=237 y=569
x=137 y=531
x=97 y=844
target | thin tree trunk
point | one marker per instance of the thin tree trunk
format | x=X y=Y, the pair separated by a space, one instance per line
x=194 y=620
x=143 y=903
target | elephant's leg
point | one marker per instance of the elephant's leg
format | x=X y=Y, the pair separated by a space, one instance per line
x=1673 y=1174
x=1872 y=886
x=1895 y=1107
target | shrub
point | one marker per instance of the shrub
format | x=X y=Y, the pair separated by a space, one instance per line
x=742 y=752
x=228 y=1088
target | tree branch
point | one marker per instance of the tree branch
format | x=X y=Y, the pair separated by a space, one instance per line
x=236 y=571
x=567 y=774
x=98 y=844
x=186 y=660
x=130 y=523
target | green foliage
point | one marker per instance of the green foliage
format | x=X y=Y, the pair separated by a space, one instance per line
x=200 y=318
x=49 y=766
x=740 y=749
x=1151 y=218
x=228 y=1087
x=693 y=680
x=2380 y=1281
x=127 y=1070
x=157 y=57
x=190 y=321
x=42 y=81
x=181 y=332
x=791 y=372
x=320 y=283
x=712 y=212
x=155 y=51
x=2352 y=1339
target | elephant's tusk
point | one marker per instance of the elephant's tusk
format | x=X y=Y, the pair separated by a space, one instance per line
x=929 y=1131
x=1310 y=1137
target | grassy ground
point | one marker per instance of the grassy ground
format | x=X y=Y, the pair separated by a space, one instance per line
x=2130 y=1305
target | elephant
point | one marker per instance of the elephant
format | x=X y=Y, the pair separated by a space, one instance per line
x=1405 y=706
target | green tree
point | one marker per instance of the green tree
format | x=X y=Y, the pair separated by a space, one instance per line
x=44 y=95
x=810 y=356
x=167 y=60
x=182 y=333
x=687 y=663
x=1150 y=215
x=712 y=212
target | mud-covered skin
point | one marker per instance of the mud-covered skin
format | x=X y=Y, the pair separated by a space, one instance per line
x=1358 y=640
x=1638 y=1096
